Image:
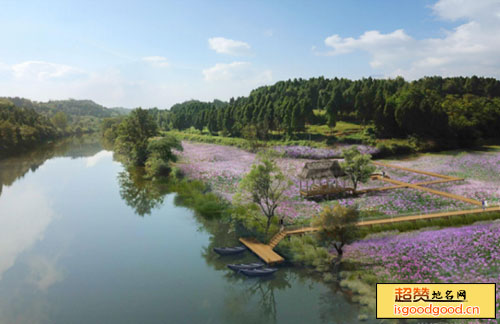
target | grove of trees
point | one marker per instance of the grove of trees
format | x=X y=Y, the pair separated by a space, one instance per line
x=458 y=108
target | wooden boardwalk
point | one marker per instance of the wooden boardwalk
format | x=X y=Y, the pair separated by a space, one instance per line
x=265 y=251
x=427 y=216
x=436 y=192
x=432 y=174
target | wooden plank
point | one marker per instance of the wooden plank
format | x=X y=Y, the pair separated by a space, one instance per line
x=432 y=174
x=405 y=186
x=427 y=216
x=266 y=253
x=436 y=192
x=263 y=251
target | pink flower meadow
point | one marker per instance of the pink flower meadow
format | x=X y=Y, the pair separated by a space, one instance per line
x=222 y=167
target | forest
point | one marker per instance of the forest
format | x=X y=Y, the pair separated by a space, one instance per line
x=460 y=109
x=24 y=122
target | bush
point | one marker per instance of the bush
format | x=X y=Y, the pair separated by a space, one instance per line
x=304 y=250
x=197 y=195
x=156 y=167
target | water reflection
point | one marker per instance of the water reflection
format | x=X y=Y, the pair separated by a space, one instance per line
x=140 y=194
x=25 y=213
x=91 y=264
x=13 y=167
x=43 y=271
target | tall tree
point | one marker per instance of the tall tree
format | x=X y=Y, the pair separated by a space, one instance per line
x=357 y=166
x=264 y=185
x=337 y=226
x=333 y=107
x=133 y=134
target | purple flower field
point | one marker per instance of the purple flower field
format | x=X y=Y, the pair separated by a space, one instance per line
x=306 y=152
x=480 y=170
x=222 y=167
x=465 y=254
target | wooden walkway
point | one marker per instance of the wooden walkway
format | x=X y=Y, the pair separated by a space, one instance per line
x=265 y=251
x=432 y=174
x=436 y=192
x=404 y=185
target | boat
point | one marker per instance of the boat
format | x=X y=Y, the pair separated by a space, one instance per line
x=248 y=266
x=229 y=250
x=258 y=272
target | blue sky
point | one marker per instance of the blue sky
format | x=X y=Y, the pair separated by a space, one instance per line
x=157 y=53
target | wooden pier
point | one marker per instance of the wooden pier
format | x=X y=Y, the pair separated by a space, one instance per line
x=265 y=251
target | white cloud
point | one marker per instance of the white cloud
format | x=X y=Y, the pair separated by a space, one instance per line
x=226 y=80
x=225 y=72
x=157 y=61
x=463 y=9
x=44 y=70
x=473 y=47
x=228 y=46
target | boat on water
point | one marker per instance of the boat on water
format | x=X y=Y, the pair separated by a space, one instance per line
x=247 y=266
x=229 y=250
x=258 y=272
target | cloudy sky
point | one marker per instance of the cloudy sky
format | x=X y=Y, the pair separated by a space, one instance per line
x=156 y=53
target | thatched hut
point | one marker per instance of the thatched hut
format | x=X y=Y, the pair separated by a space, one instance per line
x=323 y=175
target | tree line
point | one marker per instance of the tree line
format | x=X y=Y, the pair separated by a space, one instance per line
x=460 y=108
x=21 y=127
x=24 y=122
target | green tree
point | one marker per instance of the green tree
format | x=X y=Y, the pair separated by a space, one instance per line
x=357 y=166
x=160 y=155
x=337 y=226
x=264 y=185
x=332 y=107
x=60 y=120
x=133 y=135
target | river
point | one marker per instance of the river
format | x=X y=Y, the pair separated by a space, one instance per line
x=84 y=241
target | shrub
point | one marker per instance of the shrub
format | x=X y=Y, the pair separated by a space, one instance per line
x=156 y=167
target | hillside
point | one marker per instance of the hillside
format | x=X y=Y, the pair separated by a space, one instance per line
x=71 y=107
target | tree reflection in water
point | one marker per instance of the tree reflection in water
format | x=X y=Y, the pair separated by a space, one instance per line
x=140 y=194
x=15 y=166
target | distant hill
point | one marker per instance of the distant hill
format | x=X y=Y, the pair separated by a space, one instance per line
x=71 y=107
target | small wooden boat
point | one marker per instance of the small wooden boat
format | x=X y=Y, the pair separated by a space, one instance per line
x=248 y=266
x=229 y=250
x=258 y=272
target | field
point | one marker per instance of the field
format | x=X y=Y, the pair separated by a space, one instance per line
x=222 y=167
x=465 y=254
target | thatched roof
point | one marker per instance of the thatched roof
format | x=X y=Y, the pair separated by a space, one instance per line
x=322 y=169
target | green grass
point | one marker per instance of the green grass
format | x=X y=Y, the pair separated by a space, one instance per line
x=239 y=142
x=340 y=128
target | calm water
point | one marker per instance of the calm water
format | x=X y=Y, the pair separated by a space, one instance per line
x=83 y=241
